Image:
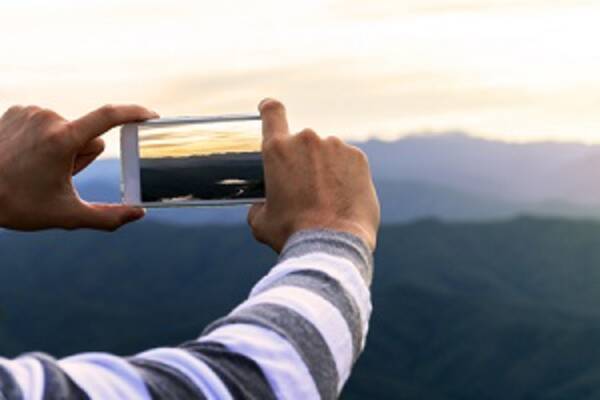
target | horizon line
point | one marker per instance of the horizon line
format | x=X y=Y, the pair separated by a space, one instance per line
x=430 y=134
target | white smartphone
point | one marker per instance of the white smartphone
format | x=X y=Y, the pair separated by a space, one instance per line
x=192 y=161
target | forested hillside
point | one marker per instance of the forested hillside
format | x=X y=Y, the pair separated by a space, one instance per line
x=504 y=310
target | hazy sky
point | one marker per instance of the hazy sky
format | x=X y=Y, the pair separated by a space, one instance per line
x=197 y=140
x=516 y=70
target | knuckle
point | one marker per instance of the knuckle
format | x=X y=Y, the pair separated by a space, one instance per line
x=43 y=115
x=275 y=145
x=32 y=109
x=308 y=137
x=359 y=154
x=272 y=105
x=334 y=141
x=47 y=113
x=14 y=110
x=32 y=113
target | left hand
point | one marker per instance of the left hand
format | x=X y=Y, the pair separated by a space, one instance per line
x=40 y=152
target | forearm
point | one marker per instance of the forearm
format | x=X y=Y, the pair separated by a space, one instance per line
x=297 y=336
x=315 y=306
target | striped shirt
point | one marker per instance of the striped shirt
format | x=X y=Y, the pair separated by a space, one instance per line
x=296 y=337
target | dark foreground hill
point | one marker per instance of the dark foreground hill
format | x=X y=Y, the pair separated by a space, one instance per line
x=506 y=310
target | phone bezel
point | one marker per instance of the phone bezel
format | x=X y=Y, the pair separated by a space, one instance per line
x=130 y=162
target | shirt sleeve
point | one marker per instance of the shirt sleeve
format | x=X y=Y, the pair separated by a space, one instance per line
x=297 y=336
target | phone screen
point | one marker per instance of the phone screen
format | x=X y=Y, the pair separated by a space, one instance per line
x=194 y=163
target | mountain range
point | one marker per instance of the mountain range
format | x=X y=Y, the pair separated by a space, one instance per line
x=504 y=309
x=450 y=176
x=496 y=310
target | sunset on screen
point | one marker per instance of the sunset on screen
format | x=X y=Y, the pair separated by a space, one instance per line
x=196 y=141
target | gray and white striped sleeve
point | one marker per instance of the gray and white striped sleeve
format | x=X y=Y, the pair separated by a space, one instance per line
x=296 y=337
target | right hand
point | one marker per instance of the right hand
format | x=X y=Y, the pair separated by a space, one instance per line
x=311 y=183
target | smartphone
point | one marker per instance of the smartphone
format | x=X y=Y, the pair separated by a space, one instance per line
x=192 y=161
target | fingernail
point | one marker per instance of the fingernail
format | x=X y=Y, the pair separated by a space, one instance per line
x=151 y=114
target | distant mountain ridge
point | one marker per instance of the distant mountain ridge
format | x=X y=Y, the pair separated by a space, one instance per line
x=452 y=176
x=529 y=172
x=243 y=154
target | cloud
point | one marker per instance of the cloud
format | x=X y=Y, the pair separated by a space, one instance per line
x=348 y=67
x=341 y=96
x=196 y=139
x=360 y=10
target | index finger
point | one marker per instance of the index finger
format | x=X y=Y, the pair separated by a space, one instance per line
x=101 y=120
x=274 y=119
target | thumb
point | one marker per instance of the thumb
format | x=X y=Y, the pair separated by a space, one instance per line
x=108 y=217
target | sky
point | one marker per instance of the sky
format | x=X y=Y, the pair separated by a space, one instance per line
x=522 y=70
x=199 y=139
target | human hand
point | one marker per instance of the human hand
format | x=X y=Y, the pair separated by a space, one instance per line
x=311 y=183
x=40 y=152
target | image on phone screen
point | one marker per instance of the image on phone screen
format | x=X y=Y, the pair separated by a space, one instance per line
x=200 y=162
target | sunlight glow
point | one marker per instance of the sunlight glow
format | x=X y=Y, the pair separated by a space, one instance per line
x=512 y=70
x=197 y=140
